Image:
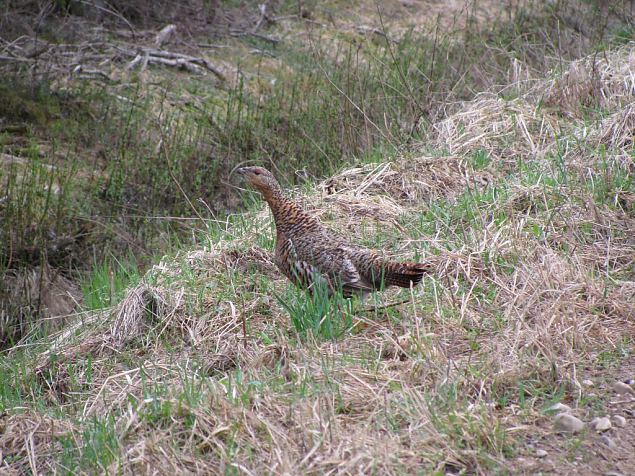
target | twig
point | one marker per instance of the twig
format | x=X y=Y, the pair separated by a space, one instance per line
x=208 y=45
x=177 y=62
x=387 y=306
x=244 y=323
x=12 y=159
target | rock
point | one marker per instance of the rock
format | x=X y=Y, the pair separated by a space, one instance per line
x=622 y=388
x=613 y=473
x=559 y=407
x=601 y=424
x=608 y=442
x=525 y=463
x=568 y=423
x=541 y=453
x=619 y=421
x=588 y=383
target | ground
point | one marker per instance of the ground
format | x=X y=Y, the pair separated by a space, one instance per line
x=521 y=196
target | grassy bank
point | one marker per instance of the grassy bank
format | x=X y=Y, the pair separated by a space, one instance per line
x=522 y=198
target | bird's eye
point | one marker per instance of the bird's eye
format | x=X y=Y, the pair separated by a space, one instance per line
x=257 y=172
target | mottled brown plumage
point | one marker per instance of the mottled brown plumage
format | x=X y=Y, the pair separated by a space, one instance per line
x=307 y=252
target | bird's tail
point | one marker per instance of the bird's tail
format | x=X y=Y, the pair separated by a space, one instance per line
x=403 y=274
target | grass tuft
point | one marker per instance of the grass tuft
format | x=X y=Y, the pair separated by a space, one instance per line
x=317 y=313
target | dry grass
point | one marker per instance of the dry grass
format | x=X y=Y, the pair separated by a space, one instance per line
x=198 y=369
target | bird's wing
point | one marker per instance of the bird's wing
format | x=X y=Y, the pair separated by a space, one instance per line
x=299 y=271
x=351 y=280
x=333 y=261
x=326 y=262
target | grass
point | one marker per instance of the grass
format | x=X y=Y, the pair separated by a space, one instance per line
x=107 y=283
x=318 y=314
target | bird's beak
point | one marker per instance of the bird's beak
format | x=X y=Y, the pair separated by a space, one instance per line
x=241 y=170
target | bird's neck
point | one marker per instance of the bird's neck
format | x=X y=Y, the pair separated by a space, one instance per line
x=286 y=212
x=276 y=199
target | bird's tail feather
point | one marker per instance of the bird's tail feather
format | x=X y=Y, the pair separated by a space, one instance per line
x=403 y=274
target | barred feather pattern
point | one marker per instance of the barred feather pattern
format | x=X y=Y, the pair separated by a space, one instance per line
x=307 y=253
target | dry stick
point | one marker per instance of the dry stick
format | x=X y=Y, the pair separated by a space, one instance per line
x=386 y=306
x=17 y=59
x=244 y=322
x=414 y=311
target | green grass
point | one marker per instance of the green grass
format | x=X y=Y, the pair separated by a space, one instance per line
x=317 y=313
x=107 y=282
x=95 y=451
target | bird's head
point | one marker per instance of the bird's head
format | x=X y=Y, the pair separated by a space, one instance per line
x=260 y=178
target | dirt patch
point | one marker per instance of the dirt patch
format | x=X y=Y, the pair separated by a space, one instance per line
x=591 y=452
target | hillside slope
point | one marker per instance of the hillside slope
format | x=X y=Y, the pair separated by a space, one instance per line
x=524 y=201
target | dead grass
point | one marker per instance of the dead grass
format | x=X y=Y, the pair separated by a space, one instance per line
x=200 y=371
x=603 y=81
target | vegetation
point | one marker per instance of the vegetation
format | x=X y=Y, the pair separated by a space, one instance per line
x=143 y=324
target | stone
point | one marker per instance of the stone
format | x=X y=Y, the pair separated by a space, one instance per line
x=588 y=383
x=608 y=442
x=601 y=424
x=567 y=423
x=622 y=388
x=619 y=421
x=559 y=407
x=541 y=453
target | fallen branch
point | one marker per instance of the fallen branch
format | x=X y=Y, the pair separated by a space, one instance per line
x=85 y=72
x=169 y=58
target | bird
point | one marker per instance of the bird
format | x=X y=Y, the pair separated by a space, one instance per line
x=308 y=253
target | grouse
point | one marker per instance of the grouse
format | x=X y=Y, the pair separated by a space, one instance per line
x=308 y=253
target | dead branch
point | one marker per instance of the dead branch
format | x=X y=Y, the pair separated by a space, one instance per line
x=85 y=72
x=169 y=58
x=81 y=59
